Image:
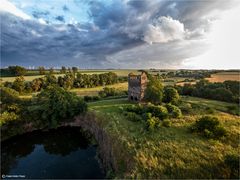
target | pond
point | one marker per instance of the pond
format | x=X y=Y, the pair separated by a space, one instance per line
x=63 y=153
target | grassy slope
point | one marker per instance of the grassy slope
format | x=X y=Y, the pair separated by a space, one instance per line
x=218 y=105
x=169 y=152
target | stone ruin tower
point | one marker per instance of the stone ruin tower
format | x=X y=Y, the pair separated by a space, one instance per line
x=136 y=86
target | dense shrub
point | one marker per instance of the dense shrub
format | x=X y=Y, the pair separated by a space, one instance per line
x=106 y=92
x=233 y=110
x=17 y=70
x=8 y=95
x=170 y=95
x=18 y=84
x=55 y=104
x=227 y=91
x=133 y=116
x=232 y=161
x=209 y=110
x=154 y=91
x=152 y=123
x=209 y=127
x=174 y=111
x=185 y=107
x=91 y=98
x=166 y=123
x=158 y=111
x=7 y=116
x=138 y=109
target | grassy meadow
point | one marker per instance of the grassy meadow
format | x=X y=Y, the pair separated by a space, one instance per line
x=171 y=152
x=94 y=91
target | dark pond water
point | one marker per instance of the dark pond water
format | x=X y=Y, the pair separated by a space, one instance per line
x=61 y=153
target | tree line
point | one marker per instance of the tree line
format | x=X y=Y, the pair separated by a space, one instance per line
x=21 y=71
x=226 y=91
x=68 y=81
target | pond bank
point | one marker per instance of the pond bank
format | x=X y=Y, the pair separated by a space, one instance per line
x=111 y=151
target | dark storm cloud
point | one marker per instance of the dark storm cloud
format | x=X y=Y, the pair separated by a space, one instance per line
x=121 y=34
x=60 y=18
x=65 y=8
x=39 y=14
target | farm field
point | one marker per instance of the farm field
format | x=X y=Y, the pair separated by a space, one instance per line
x=223 y=76
x=168 y=152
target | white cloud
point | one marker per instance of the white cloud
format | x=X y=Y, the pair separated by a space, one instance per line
x=164 y=29
x=42 y=21
x=6 y=6
x=224 y=41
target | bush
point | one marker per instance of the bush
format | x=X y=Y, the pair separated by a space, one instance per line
x=209 y=110
x=54 y=105
x=8 y=95
x=106 y=92
x=186 y=107
x=133 y=117
x=158 y=111
x=174 y=111
x=91 y=98
x=232 y=162
x=170 y=95
x=152 y=123
x=209 y=127
x=233 y=110
x=138 y=109
x=154 y=91
x=166 y=123
x=147 y=116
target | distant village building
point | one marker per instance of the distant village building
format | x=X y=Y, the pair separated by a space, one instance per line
x=136 y=86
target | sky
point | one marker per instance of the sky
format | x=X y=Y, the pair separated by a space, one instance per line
x=165 y=34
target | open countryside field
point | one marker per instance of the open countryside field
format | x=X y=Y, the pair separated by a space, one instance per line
x=217 y=105
x=223 y=76
x=27 y=78
x=94 y=91
x=32 y=74
x=87 y=91
x=168 y=152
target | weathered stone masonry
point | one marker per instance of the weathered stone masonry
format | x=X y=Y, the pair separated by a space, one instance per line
x=136 y=86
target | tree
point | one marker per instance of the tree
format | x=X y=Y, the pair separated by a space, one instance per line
x=50 y=80
x=17 y=70
x=170 y=95
x=55 y=105
x=75 y=70
x=51 y=71
x=41 y=70
x=154 y=91
x=63 y=70
x=18 y=84
x=8 y=95
x=37 y=84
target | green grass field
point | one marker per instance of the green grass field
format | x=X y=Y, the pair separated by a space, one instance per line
x=169 y=152
x=217 y=105
x=87 y=91
x=94 y=91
